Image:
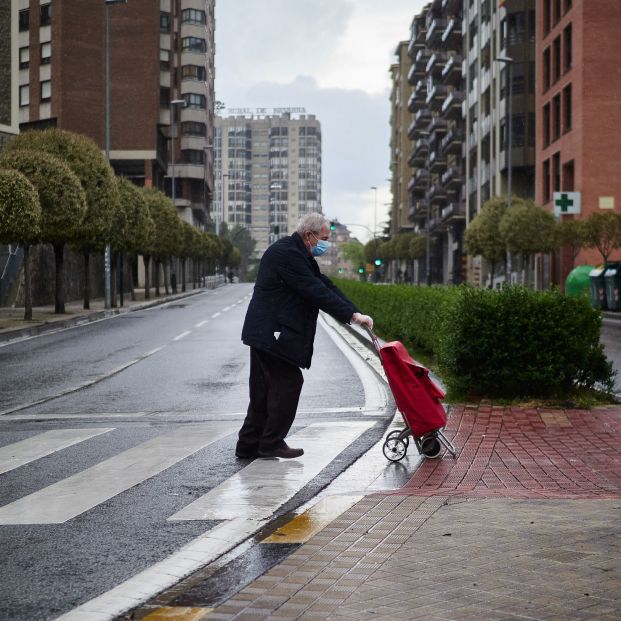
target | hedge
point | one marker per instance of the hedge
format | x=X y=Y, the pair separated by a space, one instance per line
x=511 y=343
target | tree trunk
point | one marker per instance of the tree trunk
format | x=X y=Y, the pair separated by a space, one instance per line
x=133 y=260
x=157 y=278
x=27 y=284
x=183 y=261
x=87 y=279
x=166 y=270
x=146 y=259
x=59 y=260
x=113 y=277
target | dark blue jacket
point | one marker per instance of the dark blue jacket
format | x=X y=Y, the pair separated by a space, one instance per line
x=289 y=291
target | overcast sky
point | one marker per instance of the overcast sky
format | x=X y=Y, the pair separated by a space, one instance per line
x=331 y=57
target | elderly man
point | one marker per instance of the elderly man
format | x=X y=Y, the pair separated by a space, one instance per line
x=280 y=330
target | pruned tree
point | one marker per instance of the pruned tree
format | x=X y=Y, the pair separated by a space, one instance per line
x=87 y=161
x=63 y=205
x=528 y=229
x=572 y=234
x=20 y=217
x=483 y=237
x=133 y=227
x=604 y=233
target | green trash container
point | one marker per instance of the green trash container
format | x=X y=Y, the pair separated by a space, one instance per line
x=578 y=283
x=598 y=288
x=612 y=279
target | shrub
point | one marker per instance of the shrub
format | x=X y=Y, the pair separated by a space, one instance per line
x=517 y=342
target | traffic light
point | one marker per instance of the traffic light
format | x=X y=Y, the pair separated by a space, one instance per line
x=333 y=225
x=361 y=269
x=378 y=262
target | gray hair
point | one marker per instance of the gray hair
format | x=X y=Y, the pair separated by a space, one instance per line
x=311 y=222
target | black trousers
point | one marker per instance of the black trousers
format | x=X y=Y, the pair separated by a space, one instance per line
x=275 y=387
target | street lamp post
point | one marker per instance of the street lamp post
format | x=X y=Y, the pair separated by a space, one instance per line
x=107 y=3
x=221 y=210
x=508 y=62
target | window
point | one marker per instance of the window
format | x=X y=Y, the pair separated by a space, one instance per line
x=193 y=16
x=557 y=11
x=546 y=17
x=546 y=125
x=556 y=58
x=556 y=172
x=193 y=44
x=516 y=28
x=164 y=60
x=24 y=57
x=546 y=69
x=164 y=21
x=192 y=156
x=556 y=117
x=519 y=131
x=193 y=128
x=531 y=129
x=45 y=15
x=193 y=100
x=193 y=72
x=568 y=176
x=46 y=53
x=24 y=95
x=546 y=182
x=164 y=97
x=567 y=57
x=46 y=91
x=567 y=108
x=568 y=5
x=24 y=20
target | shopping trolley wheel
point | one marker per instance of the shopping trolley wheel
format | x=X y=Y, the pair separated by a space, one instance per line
x=394 y=449
x=395 y=434
x=430 y=446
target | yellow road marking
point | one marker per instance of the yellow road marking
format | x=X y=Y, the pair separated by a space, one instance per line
x=302 y=527
x=168 y=613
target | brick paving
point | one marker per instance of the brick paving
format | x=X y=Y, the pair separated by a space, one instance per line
x=522 y=524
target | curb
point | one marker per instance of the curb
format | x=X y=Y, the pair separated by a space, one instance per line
x=90 y=317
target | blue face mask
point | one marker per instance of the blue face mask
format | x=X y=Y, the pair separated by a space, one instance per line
x=320 y=248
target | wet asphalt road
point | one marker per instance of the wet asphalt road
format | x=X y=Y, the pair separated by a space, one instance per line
x=611 y=339
x=137 y=378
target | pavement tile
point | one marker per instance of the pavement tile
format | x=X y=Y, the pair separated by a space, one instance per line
x=523 y=524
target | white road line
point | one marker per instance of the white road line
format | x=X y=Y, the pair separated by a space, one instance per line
x=228 y=308
x=190 y=558
x=200 y=324
x=182 y=335
x=88 y=415
x=64 y=500
x=257 y=491
x=215 y=315
x=23 y=452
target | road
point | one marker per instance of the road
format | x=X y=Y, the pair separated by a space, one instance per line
x=116 y=452
x=611 y=340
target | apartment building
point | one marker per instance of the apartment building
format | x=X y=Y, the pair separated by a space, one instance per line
x=268 y=171
x=579 y=107
x=436 y=137
x=161 y=72
x=400 y=121
x=9 y=123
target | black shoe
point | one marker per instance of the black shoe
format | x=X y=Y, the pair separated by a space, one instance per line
x=240 y=455
x=284 y=452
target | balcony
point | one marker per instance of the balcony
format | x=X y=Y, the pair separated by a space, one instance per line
x=451 y=74
x=422 y=118
x=453 y=212
x=412 y=103
x=417 y=40
x=420 y=61
x=419 y=154
x=437 y=162
x=452 y=143
x=410 y=184
x=435 y=31
x=436 y=63
x=451 y=6
x=437 y=128
x=451 y=107
x=412 y=75
x=451 y=37
x=436 y=96
x=421 y=182
x=418 y=211
x=437 y=194
x=452 y=179
x=420 y=91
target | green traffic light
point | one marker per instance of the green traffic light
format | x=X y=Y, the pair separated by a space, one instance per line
x=332 y=226
x=378 y=262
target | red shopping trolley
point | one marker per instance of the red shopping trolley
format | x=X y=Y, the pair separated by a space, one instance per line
x=418 y=399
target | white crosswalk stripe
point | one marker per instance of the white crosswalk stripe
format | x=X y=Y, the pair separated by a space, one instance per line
x=23 y=452
x=258 y=490
x=70 y=497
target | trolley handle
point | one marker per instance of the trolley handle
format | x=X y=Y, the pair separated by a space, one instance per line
x=373 y=338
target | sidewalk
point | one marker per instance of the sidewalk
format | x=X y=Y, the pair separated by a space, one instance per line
x=13 y=326
x=522 y=524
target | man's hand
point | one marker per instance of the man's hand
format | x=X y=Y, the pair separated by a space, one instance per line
x=362 y=320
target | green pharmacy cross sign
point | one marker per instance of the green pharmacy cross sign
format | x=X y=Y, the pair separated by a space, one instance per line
x=566 y=203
